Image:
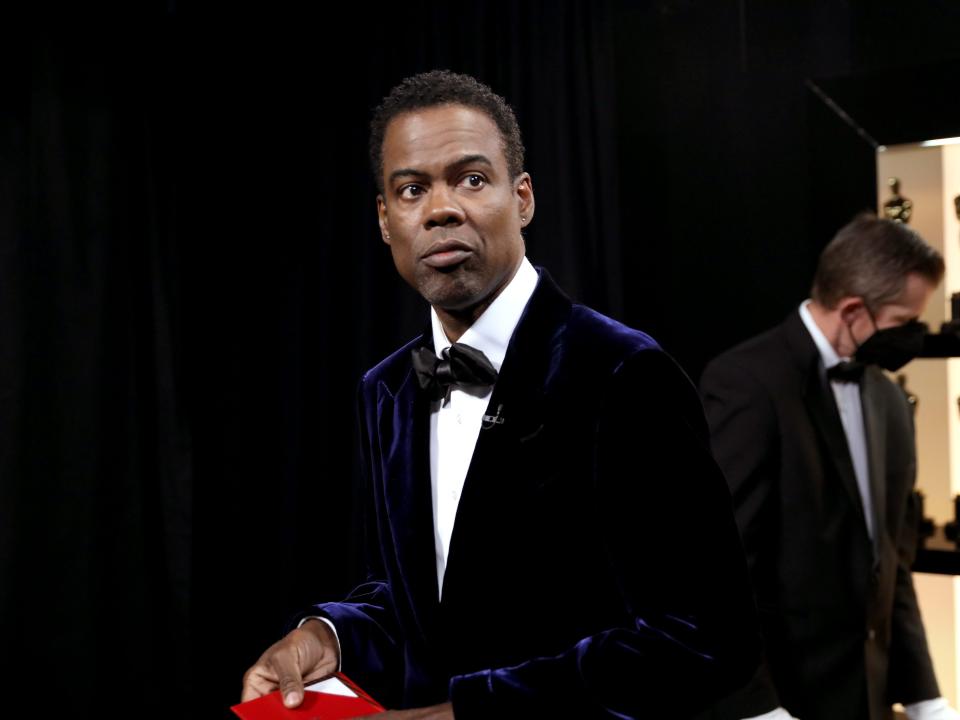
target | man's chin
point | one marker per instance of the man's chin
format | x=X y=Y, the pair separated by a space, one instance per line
x=454 y=296
x=455 y=305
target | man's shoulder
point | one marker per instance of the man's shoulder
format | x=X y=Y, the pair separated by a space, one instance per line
x=605 y=337
x=627 y=368
x=393 y=369
x=773 y=349
x=597 y=346
x=574 y=331
x=777 y=359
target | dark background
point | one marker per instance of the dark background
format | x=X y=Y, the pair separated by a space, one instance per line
x=192 y=280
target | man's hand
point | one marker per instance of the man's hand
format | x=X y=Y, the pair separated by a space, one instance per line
x=306 y=654
x=435 y=712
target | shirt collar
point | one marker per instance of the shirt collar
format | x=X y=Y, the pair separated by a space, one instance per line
x=491 y=332
x=827 y=354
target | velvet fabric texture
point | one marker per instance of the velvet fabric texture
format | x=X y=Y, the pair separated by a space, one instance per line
x=594 y=569
x=843 y=631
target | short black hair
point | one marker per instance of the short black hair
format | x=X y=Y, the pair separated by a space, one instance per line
x=443 y=87
x=870 y=258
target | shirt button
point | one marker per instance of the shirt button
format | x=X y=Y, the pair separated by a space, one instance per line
x=459 y=419
x=872 y=634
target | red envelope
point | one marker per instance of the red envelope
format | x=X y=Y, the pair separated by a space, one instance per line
x=315 y=706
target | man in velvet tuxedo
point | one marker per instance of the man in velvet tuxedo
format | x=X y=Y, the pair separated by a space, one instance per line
x=819 y=454
x=533 y=471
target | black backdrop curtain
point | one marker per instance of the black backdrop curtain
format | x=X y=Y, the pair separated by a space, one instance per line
x=192 y=279
x=95 y=473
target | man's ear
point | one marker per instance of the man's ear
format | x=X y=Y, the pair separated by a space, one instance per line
x=850 y=308
x=525 y=203
x=382 y=218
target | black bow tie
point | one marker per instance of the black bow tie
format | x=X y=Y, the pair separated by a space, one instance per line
x=461 y=365
x=846 y=372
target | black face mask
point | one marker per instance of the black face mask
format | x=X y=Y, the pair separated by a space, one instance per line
x=892 y=348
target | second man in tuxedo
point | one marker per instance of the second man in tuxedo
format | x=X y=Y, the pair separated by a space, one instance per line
x=817 y=447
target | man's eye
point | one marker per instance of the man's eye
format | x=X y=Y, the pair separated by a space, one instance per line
x=410 y=191
x=475 y=181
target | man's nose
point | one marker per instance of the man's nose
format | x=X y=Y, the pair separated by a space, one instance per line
x=443 y=208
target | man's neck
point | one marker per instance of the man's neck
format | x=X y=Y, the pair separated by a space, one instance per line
x=457 y=322
x=830 y=324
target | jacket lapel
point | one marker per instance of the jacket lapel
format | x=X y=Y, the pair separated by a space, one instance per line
x=875 y=428
x=826 y=418
x=822 y=408
x=520 y=399
x=405 y=425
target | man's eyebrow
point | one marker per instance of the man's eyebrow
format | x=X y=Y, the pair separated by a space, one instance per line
x=471 y=160
x=405 y=172
x=458 y=163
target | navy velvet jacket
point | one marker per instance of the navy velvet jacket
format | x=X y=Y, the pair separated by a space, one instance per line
x=595 y=568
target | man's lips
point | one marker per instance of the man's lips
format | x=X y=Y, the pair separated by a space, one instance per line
x=446 y=258
x=446 y=254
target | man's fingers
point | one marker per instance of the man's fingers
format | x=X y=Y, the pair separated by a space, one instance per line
x=261 y=680
x=323 y=669
x=257 y=682
x=289 y=676
x=292 y=699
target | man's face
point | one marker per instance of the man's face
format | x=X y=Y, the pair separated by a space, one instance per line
x=909 y=306
x=450 y=211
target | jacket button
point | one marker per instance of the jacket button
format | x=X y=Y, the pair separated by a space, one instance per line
x=872 y=634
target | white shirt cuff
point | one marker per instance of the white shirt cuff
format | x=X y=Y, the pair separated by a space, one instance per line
x=778 y=714
x=936 y=709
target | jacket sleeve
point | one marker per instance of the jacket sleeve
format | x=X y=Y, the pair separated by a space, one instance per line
x=745 y=443
x=672 y=545
x=910 y=676
x=744 y=437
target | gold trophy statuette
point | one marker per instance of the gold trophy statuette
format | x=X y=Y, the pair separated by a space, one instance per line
x=897 y=208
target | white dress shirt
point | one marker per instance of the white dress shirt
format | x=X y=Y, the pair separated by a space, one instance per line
x=847 y=395
x=455 y=421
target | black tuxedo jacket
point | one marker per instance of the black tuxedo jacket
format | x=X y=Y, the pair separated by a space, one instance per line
x=843 y=633
x=594 y=566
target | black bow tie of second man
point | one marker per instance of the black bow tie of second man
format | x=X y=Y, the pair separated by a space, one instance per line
x=461 y=365
x=846 y=372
